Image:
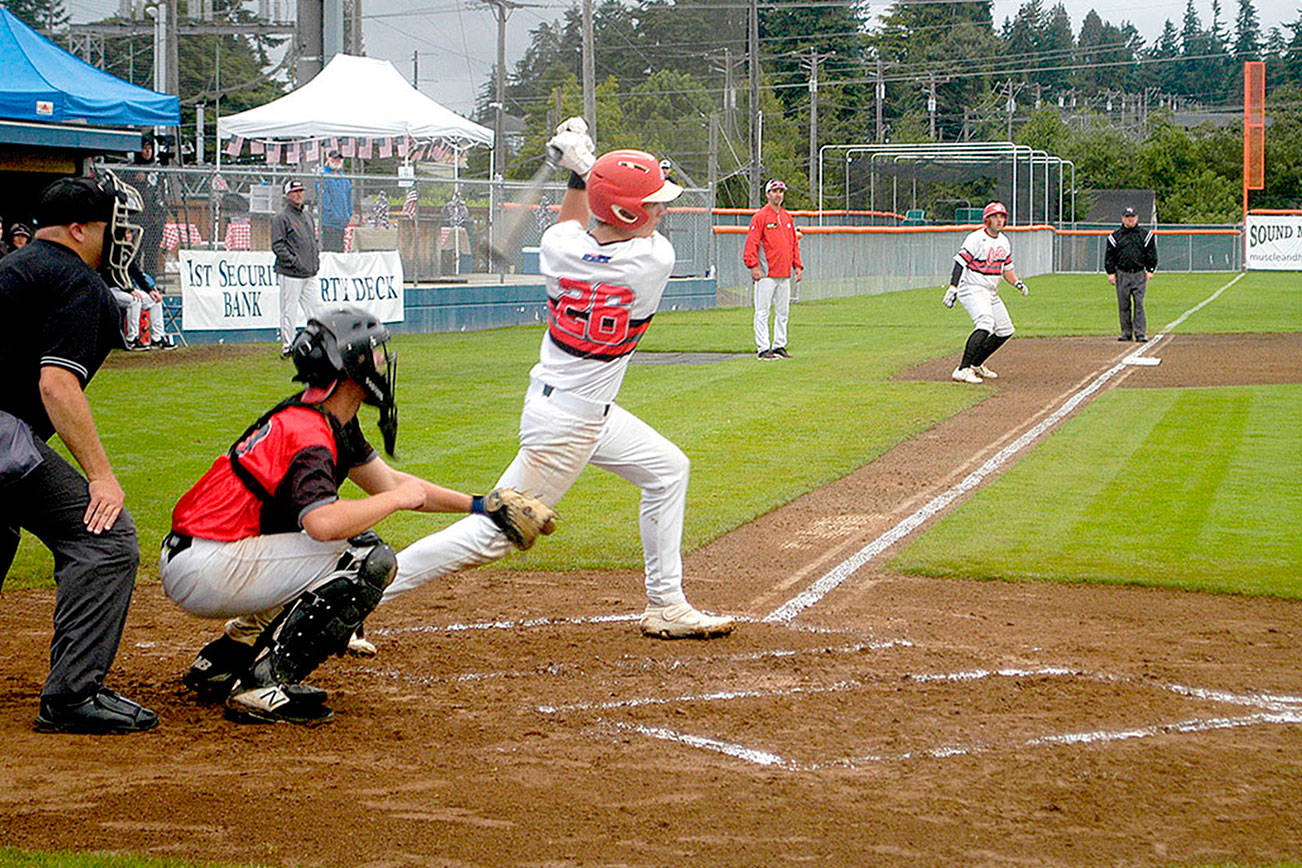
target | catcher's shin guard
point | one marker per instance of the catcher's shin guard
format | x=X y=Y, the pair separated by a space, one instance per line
x=319 y=623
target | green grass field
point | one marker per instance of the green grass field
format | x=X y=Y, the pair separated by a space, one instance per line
x=759 y=435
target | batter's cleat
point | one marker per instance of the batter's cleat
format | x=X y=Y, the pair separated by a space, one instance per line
x=781 y=352
x=107 y=712
x=279 y=703
x=358 y=646
x=681 y=621
x=984 y=373
x=216 y=668
x=965 y=375
x=766 y=355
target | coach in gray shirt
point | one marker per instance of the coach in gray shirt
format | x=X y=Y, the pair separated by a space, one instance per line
x=293 y=240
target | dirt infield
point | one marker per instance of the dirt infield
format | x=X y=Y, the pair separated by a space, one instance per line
x=517 y=718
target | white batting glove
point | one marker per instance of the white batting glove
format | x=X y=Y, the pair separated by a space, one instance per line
x=573 y=125
x=1022 y=288
x=573 y=150
x=951 y=296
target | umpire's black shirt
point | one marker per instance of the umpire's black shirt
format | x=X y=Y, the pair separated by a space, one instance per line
x=63 y=316
x=1130 y=249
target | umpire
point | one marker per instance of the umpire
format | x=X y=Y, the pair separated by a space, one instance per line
x=1130 y=261
x=68 y=323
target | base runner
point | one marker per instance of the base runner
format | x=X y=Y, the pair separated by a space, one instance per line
x=264 y=538
x=603 y=286
x=985 y=256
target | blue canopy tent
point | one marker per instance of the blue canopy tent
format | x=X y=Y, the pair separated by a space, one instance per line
x=42 y=82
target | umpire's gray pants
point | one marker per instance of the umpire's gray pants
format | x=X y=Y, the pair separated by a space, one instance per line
x=1130 y=303
x=95 y=573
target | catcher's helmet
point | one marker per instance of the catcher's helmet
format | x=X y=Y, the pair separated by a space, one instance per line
x=342 y=343
x=992 y=209
x=621 y=182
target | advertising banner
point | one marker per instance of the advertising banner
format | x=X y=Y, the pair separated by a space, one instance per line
x=1274 y=242
x=232 y=289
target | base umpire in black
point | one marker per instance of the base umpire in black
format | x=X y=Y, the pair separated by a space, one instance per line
x=67 y=321
x=1130 y=261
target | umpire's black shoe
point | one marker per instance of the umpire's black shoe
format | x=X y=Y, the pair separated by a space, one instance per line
x=105 y=712
x=1124 y=338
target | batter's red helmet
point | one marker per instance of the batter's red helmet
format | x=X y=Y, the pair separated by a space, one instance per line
x=992 y=209
x=622 y=182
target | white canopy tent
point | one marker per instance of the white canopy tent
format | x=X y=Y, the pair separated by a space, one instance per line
x=355 y=96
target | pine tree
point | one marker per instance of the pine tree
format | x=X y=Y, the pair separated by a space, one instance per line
x=1247 y=33
x=46 y=16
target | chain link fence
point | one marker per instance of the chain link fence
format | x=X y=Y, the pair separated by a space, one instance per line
x=1196 y=247
x=440 y=225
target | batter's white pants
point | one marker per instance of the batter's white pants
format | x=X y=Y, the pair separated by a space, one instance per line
x=560 y=434
x=775 y=291
x=254 y=575
x=986 y=309
x=294 y=291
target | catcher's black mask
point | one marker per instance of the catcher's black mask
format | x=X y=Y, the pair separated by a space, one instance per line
x=347 y=342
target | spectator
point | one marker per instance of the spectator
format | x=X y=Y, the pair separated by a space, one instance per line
x=142 y=295
x=152 y=188
x=1130 y=261
x=294 y=243
x=16 y=238
x=335 y=198
x=772 y=229
x=70 y=323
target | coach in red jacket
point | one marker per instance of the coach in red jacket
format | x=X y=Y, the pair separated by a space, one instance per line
x=772 y=229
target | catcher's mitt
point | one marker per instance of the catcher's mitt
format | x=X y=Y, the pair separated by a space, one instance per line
x=520 y=516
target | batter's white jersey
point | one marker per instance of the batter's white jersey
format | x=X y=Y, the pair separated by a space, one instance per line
x=984 y=260
x=600 y=300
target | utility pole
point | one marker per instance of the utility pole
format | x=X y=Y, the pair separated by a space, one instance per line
x=501 y=7
x=755 y=156
x=931 y=103
x=881 y=95
x=415 y=69
x=813 y=61
x=589 y=72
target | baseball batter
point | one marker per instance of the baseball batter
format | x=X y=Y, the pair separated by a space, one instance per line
x=984 y=258
x=603 y=287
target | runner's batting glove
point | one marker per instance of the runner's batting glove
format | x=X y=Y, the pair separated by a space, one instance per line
x=951 y=296
x=521 y=517
x=1022 y=288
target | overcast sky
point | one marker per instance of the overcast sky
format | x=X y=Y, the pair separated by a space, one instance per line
x=457 y=39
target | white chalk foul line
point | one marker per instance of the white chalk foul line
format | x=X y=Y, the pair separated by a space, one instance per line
x=521 y=624
x=842 y=571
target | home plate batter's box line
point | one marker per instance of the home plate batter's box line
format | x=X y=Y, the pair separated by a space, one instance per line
x=543 y=622
x=1270 y=709
x=712 y=660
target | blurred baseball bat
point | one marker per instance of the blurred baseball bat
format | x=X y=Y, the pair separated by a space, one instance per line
x=505 y=245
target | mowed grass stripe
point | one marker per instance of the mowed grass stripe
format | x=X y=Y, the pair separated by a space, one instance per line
x=1189 y=488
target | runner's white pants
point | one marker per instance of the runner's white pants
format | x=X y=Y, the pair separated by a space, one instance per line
x=294 y=291
x=986 y=309
x=222 y=579
x=560 y=434
x=775 y=292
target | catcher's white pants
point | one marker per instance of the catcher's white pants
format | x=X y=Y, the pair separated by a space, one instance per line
x=560 y=434
x=774 y=291
x=294 y=291
x=986 y=309
x=222 y=579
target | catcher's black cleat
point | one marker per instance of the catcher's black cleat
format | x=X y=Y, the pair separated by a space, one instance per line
x=216 y=667
x=279 y=703
x=104 y=713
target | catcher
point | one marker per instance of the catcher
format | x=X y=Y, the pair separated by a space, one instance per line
x=264 y=538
